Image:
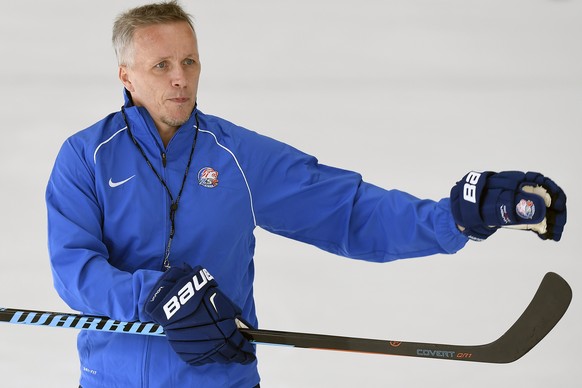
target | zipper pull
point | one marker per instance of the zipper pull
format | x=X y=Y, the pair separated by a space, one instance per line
x=164 y=161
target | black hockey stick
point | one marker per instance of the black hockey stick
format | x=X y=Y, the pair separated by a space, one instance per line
x=544 y=311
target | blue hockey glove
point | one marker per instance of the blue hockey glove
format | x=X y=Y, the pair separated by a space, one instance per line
x=199 y=320
x=484 y=201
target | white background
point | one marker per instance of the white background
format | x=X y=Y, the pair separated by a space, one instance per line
x=411 y=93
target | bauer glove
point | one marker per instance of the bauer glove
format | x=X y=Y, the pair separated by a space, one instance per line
x=482 y=202
x=198 y=319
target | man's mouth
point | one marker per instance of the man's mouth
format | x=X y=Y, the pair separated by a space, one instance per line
x=179 y=100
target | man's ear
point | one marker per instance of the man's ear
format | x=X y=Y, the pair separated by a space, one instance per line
x=124 y=78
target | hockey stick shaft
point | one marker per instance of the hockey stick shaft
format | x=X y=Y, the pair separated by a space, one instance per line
x=545 y=310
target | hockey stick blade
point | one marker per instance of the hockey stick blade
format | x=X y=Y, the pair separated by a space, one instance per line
x=544 y=311
x=547 y=307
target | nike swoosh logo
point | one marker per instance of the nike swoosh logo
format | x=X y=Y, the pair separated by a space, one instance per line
x=115 y=184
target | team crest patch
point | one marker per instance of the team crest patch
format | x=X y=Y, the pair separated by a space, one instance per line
x=208 y=177
x=525 y=209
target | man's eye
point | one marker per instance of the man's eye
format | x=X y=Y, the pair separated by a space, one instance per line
x=161 y=65
x=188 y=61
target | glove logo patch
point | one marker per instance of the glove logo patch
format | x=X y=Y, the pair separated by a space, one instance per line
x=525 y=209
x=198 y=281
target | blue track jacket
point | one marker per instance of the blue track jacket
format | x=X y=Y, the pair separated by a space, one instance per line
x=108 y=225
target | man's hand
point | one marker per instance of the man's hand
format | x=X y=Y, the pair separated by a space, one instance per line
x=484 y=201
x=199 y=320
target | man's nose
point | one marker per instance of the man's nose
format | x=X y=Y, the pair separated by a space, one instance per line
x=178 y=77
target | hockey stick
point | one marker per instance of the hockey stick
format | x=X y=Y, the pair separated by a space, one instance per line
x=544 y=311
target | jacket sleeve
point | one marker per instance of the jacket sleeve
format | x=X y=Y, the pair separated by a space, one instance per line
x=335 y=210
x=81 y=272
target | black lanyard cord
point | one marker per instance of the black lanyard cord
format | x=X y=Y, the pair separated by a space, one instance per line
x=173 y=203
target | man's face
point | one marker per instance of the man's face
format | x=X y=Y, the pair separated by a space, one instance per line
x=164 y=74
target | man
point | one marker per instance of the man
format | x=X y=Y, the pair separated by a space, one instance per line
x=151 y=215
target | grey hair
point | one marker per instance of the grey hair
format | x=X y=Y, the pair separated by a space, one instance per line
x=128 y=22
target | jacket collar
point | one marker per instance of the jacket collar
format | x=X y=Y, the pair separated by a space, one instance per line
x=141 y=121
